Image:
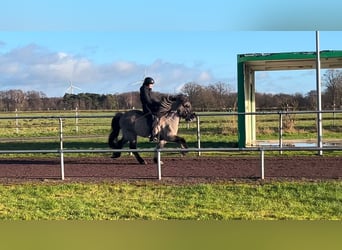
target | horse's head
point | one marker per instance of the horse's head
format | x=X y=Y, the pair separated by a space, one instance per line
x=178 y=104
x=183 y=107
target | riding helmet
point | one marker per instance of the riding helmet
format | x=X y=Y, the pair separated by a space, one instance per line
x=148 y=80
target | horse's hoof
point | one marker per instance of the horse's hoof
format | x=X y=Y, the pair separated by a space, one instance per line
x=142 y=161
x=115 y=155
x=183 y=153
x=156 y=161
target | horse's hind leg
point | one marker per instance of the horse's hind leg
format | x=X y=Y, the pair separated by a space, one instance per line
x=118 y=145
x=133 y=145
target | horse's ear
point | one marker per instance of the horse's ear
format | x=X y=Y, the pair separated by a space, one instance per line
x=172 y=98
x=183 y=97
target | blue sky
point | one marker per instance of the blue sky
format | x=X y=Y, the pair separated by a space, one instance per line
x=108 y=46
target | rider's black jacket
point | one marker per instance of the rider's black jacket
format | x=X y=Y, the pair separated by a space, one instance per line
x=150 y=103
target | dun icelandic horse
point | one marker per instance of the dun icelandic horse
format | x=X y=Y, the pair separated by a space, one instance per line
x=135 y=123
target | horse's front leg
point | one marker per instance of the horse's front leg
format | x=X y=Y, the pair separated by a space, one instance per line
x=133 y=145
x=181 y=141
x=118 y=145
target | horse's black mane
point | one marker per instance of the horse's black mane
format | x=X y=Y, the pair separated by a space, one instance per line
x=166 y=102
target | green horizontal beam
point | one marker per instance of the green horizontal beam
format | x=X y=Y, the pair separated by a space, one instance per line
x=288 y=56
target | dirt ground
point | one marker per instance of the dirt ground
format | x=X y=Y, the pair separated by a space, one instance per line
x=175 y=169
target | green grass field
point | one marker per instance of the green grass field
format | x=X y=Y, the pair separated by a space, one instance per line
x=151 y=201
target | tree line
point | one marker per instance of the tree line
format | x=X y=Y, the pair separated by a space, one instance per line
x=214 y=97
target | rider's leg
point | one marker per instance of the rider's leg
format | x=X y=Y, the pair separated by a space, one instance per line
x=155 y=129
x=151 y=123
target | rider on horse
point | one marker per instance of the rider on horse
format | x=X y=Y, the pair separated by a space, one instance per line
x=150 y=105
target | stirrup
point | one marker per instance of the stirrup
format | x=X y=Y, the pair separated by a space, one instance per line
x=154 y=138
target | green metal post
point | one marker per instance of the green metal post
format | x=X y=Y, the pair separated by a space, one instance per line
x=241 y=105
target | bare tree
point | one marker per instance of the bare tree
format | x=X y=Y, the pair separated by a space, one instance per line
x=14 y=99
x=34 y=99
x=193 y=91
x=311 y=98
x=332 y=79
x=220 y=92
x=290 y=104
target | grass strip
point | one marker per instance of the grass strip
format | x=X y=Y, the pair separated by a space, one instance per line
x=155 y=201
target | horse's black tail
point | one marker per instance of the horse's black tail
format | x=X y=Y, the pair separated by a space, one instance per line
x=115 y=130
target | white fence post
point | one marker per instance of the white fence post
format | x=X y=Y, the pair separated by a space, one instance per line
x=280 y=131
x=61 y=147
x=159 y=164
x=76 y=119
x=198 y=135
x=16 y=121
x=262 y=159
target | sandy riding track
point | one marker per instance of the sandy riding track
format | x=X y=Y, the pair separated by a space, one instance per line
x=175 y=169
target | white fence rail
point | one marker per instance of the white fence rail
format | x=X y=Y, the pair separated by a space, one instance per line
x=262 y=149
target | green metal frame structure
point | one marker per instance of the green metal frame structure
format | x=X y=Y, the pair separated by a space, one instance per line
x=247 y=64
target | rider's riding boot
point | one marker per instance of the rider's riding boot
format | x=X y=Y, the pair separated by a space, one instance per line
x=155 y=131
x=151 y=138
x=154 y=137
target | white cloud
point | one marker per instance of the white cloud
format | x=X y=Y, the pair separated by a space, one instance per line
x=62 y=55
x=36 y=68
x=204 y=76
x=124 y=67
